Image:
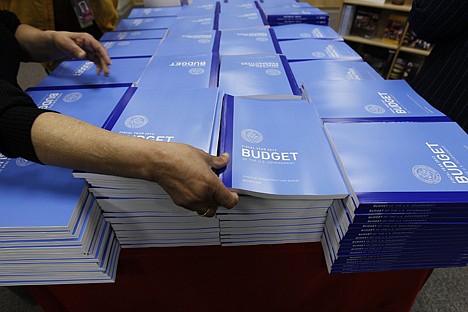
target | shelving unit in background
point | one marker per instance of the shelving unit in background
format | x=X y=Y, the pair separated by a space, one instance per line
x=381 y=34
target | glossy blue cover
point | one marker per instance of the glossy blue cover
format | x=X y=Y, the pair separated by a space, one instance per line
x=132 y=48
x=261 y=76
x=146 y=23
x=370 y=100
x=243 y=19
x=93 y=105
x=133 y=34
x=407 y=162
x=177 y=43
x=187 y=24
x=154 y=12
x=248 y=41
x=278 y=149
x=83 y=73
x=303 y=50
x=177 y=72
x=205 y=8
x=185 y=116
x=306 y=31
x=308 y=72
x=237 y=7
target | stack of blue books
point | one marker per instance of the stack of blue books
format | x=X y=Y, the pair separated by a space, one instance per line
x=141 y=213
x=370 y=100
x=235 y=7
x=133 y=34
x=244 y=19
x=150 y=12
x=248 y=41
x=284 y=15
x=185 y=24
x=271 y=168
x=182 y=43
x=131 y=48
x=146 y=23
x=409 y=194
x=258 y=76
x=304 y=50
x=305 y=31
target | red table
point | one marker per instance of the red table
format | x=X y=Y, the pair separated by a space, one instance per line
x=283 y=278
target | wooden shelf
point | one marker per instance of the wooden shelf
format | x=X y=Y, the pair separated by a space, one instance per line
x=387 y=6
x=415 y=51
x=373 y=42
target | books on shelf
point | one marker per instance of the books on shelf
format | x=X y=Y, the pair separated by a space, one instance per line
x=371 y=101
x=178 y=43
x=83 y=73
x=264 y=164
x=248 y=41
x=413 y=41
x=365 y=22
x=307 y=72
x=178 y=72
x=408 y=219
x=394 y=29
x=259 y=76
x=305 y=31
x=347 y=18
x=303 y=50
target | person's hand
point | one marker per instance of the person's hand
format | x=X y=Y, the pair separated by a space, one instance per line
x=82 y=46
x=186 y=174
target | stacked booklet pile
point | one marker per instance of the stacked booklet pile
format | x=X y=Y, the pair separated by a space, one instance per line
x=287 y=174
x=409 y=194
x=292 y=12
x=141 y=213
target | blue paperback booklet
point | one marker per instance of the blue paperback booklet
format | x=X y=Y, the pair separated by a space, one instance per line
x=247 y=19
x=83 y=73
x=133 y=35
x=131 y=48
x=154 y=12
x=248 y=41
x=370 y=100
x=237 y=7
x=283 y=16
x=176 y=72
x=306 y=31
x=308 y=72
x=208 y=8
x=410 y=163
x=187 y=24
x=288 y=158
x=259 y=76
x=178 y=43
x=185 y=116
x=97 y=106
x=146 y=23
x=303 y=50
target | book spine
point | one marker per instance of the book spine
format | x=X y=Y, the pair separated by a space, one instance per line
x=274 y=40
x=214 y=71
x=289 y=74
x=226 y=137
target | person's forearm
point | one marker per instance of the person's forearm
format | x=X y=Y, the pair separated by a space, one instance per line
x=35 y=42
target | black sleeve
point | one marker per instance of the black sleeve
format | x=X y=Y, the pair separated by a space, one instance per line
x=9 y=20
x=17 y=115
x=439 y=21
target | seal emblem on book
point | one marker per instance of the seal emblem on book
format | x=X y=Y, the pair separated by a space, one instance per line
x=72 y=97
x=426 y=174
x=252 y=136
x=374 y=109
x=196 y=71
x=136 y=121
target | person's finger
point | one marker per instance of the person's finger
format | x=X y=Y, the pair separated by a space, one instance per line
x=224 y=197
x=208 y=213
x=218 y=162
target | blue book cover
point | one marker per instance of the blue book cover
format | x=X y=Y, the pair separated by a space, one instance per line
x=133 y=35
x=303 y=50
x=370 y=100
x=177 y=43
x=38 y=197
x=187 y=24
x=306 y=31
x=260 y=76
x=287 y=13
x=308 y=72
x=284 y=4
x=170 y=72
x=185 y=116
x=154 y=12
x=403 y=162
x=131 y=48
x=237 y=7
x=265 y=163
x=206 y=8
x=97 y=106
x=146 y=23
x=248 y=41
x=83 y=73
x=245 y=19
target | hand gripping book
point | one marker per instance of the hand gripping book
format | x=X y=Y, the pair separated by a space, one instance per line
x=248 y=41
x=308 y=72
x=304 y=50
x=305 y=31
x=133 y=35
x=146 y=23
x=83 y=73
x=258 y=76
x=179 y=43
x=131 y=48
x=178 y=72
x=370 y=101
x=278 y=150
